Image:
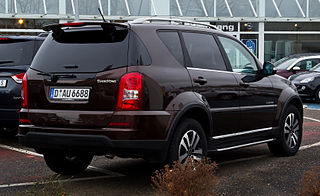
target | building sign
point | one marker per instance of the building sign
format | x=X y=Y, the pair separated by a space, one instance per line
x=251 y=45
x=226 y=26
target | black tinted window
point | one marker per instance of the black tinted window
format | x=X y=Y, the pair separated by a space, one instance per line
x=138 y=54
x=203 y=51
x=16 y=52
x=172 y=41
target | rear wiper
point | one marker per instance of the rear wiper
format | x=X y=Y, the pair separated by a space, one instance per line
x=6 y=61
x=55 y=77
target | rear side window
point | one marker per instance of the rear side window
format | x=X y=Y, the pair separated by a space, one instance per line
x=172 y=41
x=16 y=52
x=90 y=50
x=203 y=51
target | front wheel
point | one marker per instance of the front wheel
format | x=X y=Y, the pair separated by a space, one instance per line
x=67 y=163
x=317 y=95
x=189 y=140
x=290 y=134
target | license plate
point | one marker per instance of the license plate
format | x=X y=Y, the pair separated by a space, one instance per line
x=79 y=94
x=3 y=83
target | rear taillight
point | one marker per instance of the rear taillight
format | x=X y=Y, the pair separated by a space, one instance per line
x=18 y=78
x=130 y=92
x=24 y=94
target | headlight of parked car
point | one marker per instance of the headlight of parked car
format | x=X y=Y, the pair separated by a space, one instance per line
x=307 y=80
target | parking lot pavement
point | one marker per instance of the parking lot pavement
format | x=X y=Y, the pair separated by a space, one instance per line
x=246 y=171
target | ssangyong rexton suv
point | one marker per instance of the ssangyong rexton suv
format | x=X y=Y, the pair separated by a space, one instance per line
x=160 y=91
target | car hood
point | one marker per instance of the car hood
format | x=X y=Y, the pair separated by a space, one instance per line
x=300 y=76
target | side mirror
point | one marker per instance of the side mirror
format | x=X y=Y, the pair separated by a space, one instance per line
x=296 y=68
x=269 y=69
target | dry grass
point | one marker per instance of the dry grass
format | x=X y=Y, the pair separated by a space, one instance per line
x=194 y=178
x=311 y=183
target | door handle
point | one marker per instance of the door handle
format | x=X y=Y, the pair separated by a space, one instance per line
x=200 y=80
x=245 y=85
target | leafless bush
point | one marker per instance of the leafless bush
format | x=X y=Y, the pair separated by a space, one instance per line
x=311 y=183
x=194 y=178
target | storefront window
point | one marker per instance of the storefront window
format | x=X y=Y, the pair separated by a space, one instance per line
x=277 y=46
x=292 y=26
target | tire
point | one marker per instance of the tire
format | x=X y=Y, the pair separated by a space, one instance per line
x=289 y=139
x=67 y=164
x=317 y=95
x=180 y=149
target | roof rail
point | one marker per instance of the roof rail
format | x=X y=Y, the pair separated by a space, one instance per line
x=172 y=21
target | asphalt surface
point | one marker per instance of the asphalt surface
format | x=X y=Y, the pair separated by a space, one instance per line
x=247 y=171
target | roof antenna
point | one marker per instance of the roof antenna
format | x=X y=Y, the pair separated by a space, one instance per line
x=104 y=20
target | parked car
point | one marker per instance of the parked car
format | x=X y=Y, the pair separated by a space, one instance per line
x=296 y=63
x=159 y=91
x=308 y=83
x=16 y=54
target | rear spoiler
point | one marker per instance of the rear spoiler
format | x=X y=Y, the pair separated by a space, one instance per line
x=58 y=27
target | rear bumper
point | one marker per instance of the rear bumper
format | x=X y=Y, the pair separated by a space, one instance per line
x=154 y=150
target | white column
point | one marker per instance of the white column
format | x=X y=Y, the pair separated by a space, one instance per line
x=262 y=14
x=62 y=9
x=162 y=8
x=6 y=7
x=76 y=7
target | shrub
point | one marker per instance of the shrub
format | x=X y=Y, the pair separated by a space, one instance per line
x=311 y=183
x=194 y=178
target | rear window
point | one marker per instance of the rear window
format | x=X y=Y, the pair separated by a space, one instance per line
x=16 y=52
x=90 y=50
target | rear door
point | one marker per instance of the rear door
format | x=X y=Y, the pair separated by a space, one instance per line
x=73 y=80
x=212 y=79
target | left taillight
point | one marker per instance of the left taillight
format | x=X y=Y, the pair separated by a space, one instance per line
x=24 y=92
x=18 y=78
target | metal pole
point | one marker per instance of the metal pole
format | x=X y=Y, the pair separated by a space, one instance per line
x=72 y=5
x=204 y=8
x=299 y=6
x=76 y=6
x=100 y=6
x=253 y=10
x=15 y=7
x=153 y=8
x=109 y=7
x=277 y=9
x=6 y=7
x=45 y=7
x=127 y=6
x=228 y=7
x=179 y=8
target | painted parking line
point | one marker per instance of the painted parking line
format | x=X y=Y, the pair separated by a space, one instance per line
x=109 y=174
x=313 y=119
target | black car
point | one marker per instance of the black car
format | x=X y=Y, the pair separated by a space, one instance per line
x=16 y=54
x=159 y=91
x=308 y=83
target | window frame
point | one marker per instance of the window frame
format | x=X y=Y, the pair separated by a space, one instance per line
x=258 y=64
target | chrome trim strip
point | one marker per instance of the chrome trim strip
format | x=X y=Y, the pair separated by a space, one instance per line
x=258 y=107
x=25 y=126
x=242 y=133
x=218 y=71
x=245 y=145
x=228 y=109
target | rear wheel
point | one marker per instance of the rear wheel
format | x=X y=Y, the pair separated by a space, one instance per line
x=189 y=140
x=290 y=134
x=67 y=163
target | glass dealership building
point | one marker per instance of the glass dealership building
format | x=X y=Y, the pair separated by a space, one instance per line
x=272 y=29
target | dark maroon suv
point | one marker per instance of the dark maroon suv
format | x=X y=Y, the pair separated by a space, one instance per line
x=162 y=91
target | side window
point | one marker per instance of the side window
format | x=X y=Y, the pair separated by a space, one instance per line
x=240 y=59
x=203 y=51
x=172 y=41
x=307 y=64
x=138 y=54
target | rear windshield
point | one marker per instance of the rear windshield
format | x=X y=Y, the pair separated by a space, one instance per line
x=90 y=50
x=16 y=52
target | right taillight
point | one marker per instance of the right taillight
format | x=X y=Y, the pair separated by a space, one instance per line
x=24 y=94
x=130 y=92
